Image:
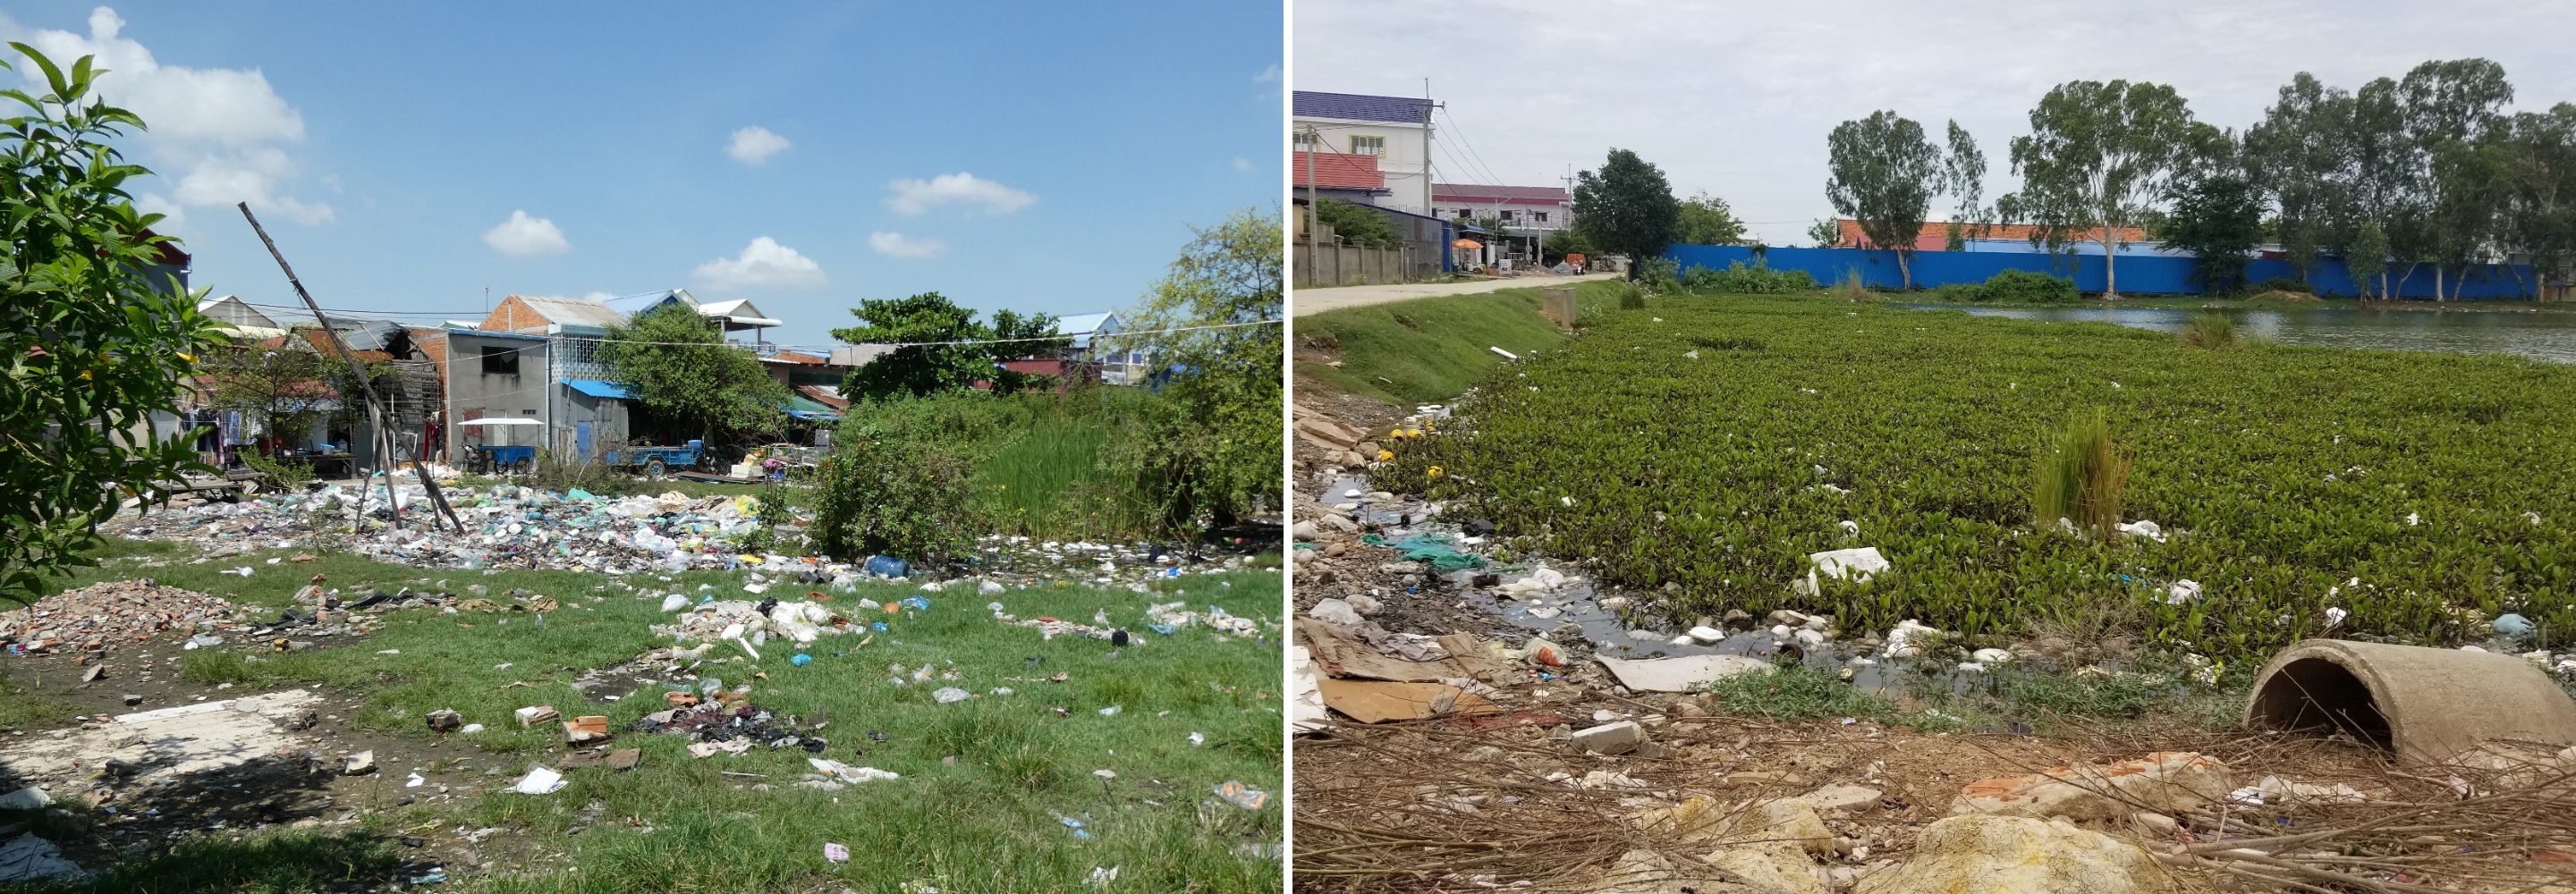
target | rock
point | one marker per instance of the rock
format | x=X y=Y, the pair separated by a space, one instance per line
x=1985 y=854
x=1335 y=612
x=1610 y=738
x=1647 y=872
x=1770 y=865
x=625 y=758
x=359 y=764
x=1688 y=708
x=2155 y=825
x=1788 y=618
x=1842 y=796
x=1736 y=617
x=30 y=798
x=1707 y=634
x=2167 y=782
x=445 y=721
x=1790 y=820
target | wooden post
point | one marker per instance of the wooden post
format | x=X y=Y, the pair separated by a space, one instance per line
x=375 y=411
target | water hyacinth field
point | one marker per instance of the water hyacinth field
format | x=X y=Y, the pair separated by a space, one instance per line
x=1714 y=443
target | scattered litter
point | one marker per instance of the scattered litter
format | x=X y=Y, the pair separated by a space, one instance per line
x=539 y=781
x=836 y=853
x=1680 y=674
x=950 y=694
x=1243 y=796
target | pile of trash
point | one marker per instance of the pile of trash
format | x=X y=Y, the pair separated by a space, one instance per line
x=510 y=526
x=1166 y=618
x=96 y=617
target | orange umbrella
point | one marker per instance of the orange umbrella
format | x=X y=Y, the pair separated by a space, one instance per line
x=1467 y=244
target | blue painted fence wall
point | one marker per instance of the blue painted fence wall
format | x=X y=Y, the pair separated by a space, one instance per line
x=2139 y=274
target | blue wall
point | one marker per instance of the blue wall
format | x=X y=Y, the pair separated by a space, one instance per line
x=2139 y=274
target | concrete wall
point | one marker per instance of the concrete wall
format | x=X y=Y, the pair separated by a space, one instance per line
x=472 y=393
x=2138 y=274
x=1351 y=265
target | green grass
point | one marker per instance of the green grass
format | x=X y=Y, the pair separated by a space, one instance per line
x=1429 y=350
x=2289 y=470
x=1044 y=463
x=987 y=822
x=1795 y=692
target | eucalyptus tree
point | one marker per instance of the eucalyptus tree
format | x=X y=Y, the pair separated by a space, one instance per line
x=1885 y=172
x=2099 y=156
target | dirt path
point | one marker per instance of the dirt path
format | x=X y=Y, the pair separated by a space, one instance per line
x=1307 y=301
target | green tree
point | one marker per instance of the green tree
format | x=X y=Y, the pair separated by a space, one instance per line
x=2300 y=157
x=1218 y=453
x=2454 y=113
x=1560 y=243
x=1357 y=225
x=942 y=347
x=93 y=350
x=1963 y=175
x=1884 y=175
x=680 y=368
x=1627 y=208
x=278 y=389
x=2366 y=258
x=2539 y=217
x=1825 y=233
x=1706 y=220
x=2219 y=219
x=2099 y=155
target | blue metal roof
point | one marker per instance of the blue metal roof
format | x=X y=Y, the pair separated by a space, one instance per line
x=1355 y=107
x=597 y=388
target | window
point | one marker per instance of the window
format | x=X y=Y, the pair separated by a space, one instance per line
x=1511 y=217
x=1304 y=142
x=500 y=361
x=1463 y=215
x=1540 y=216
x=1361 y=145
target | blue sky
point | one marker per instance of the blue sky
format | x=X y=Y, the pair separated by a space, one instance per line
x=1040 y=157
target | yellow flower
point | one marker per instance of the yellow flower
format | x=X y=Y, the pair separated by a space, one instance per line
x=1433 y=472
x=1384 y=455
x=1395 y=433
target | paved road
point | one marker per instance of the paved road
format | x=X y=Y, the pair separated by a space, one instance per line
x=1307 y=301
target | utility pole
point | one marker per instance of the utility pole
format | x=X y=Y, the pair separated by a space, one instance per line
x=1314 y=142
x=1426 y=146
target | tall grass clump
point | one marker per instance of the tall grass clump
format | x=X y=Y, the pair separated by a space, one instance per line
x=1756 y=279
x=1631 y=298
x=2081 y=477
x=1849 y=288
x=2211 y=330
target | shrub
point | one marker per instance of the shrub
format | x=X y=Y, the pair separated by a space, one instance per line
x=2280 y=284
x=282 y=476
x=2030 y=287
x=1660 y=275
x=1631 y=298
x=2211 y=330
x=564 y=471
x=1959 y=293
x=2081 y=477
x=892 y=494
x=1740 y=279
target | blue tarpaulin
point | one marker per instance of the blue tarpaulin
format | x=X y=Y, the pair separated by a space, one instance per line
x=597 y=388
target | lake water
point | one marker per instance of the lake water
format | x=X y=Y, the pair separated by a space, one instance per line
x=2541 y=336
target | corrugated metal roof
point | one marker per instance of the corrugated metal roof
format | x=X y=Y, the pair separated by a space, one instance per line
x=597 y=388
x=1359 y=107
x=1524 y=194
x=574 y=312
x=1083 y=326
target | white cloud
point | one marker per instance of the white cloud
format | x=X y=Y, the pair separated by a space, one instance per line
x=916 y=196
x=1267 y=75
x=763 y=263
x=1242 y=164
x=902 y=246
x=754 y=145
x=524 y=236
x=216 y=131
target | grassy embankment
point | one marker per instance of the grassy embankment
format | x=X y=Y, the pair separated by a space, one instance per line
x=1430 y=349
x=989 y=821
x=2398 y=487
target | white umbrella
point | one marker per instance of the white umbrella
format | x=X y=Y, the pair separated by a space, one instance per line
x=503 y=420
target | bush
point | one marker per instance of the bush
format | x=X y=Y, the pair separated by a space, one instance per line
x=1630 y=298
x=1740 y=279
x=1661 y=275
x=1042 y=464
x=282 y=476
x=2280 y=284
x=2081 y=478
x=2030 y=287
x=560 y=472
x=2210 y=330
x=881 y=493
x=1959 y=293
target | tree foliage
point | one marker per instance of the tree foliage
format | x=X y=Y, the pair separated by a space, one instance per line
x=1707 y=220
x=680 y=367
x=929 y=327
x=1884 y=175
x=2367 y=259
x=2219 y=219
x=1355 y=224
x=283 y=389
x=1627 y=207
x=1825 y=233
x=1963 y=173
x=1219 y=452
x=1560 y=243
x=2097 y=159
x=93 y=350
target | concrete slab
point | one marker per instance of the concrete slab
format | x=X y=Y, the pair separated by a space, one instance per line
x=179 y=740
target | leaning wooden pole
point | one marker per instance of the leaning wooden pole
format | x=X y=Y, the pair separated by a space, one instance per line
x=375 y=411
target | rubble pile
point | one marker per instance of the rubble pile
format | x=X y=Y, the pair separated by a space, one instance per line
x=94 y=618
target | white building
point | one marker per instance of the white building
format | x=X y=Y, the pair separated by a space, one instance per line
x=1395 y=129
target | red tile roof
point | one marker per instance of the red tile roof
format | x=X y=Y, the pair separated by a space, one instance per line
x=1338 y=170
x=1524 y=195
x=799 y=357
x=432 y=343
x=1935 y=235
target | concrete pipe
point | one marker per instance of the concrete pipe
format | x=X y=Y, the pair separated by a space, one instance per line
x=2425 y=704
